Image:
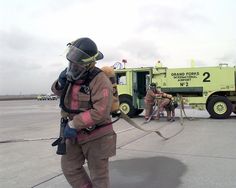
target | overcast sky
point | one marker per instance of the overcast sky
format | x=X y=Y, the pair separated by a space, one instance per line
x=34 y=34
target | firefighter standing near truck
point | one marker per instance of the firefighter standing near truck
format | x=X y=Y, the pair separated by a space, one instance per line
x=89 y=132
x=151 y=98
x=156 y=97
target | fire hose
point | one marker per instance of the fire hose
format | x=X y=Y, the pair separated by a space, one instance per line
x=158 y=131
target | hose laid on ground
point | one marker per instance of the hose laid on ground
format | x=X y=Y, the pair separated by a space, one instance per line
x=131 y=122
x=158 y=131
x=182 y=106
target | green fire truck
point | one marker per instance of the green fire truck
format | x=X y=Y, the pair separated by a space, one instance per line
x=210 y=88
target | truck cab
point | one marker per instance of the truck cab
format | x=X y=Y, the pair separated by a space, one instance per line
x=132 y=84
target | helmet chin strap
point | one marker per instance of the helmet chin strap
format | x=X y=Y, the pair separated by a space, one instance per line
x=91 y=65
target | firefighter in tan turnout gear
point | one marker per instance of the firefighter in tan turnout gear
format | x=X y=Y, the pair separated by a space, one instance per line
x=155 y=97
x=86 y=100
x=151 y=98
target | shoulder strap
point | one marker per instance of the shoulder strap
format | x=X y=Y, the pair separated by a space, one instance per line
x=91 y=75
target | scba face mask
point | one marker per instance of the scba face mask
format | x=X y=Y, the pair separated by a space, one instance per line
x=78 y=63
x=75 y=71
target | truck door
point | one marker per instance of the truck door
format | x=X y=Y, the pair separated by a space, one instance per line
x=140 y=86
x=132 y=86
x=135 y=89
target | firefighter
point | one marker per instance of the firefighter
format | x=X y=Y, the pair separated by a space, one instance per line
x=155 y=96
x=170 y=109
x=163 y=102
x=89 y=132
x=150 y=100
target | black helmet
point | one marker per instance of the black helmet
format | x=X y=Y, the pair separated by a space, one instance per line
x=83 y=51
x=153 y=85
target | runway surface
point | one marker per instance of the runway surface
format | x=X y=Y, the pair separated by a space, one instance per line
x=202 y=155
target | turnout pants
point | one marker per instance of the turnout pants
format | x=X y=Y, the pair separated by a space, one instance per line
x=97 y=153
x=161 y=105
x=148 y=109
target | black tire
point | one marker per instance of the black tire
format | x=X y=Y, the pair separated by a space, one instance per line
x=126 y=106
x=207 y=105
x=219 y=107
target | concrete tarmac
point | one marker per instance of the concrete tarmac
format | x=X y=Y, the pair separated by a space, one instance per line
x=202 y=155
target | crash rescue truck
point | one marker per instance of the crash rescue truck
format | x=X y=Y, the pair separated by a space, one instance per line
x=210 y=88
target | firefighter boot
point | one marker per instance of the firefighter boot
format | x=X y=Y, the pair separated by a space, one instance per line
x=168 y=115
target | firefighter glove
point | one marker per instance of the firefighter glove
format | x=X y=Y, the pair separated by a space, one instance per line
x=70 y=131
x=62 y=79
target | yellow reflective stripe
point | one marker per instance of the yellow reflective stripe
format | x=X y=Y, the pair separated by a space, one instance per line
x=93 y=58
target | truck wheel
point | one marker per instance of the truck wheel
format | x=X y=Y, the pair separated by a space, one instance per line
x=126 y=106
x=219 y=107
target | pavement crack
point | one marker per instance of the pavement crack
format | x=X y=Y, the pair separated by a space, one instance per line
x=25 y=140
x=45 y=181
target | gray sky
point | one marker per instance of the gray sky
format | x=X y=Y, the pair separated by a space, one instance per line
x=34 y=34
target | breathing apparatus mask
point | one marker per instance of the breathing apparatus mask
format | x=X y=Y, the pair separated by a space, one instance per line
x=75 y=71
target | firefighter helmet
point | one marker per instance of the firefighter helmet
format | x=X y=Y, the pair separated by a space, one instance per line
x=83 y=51
x=153 y=85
